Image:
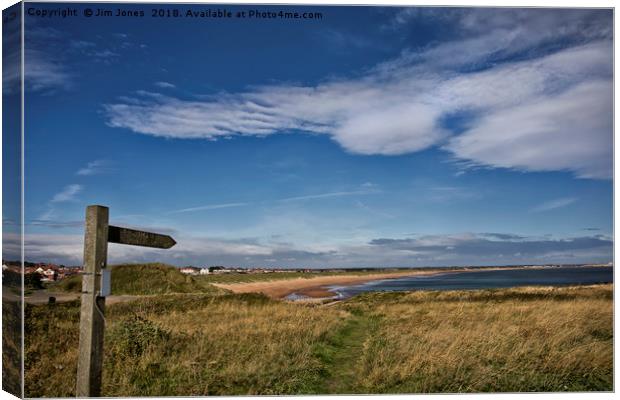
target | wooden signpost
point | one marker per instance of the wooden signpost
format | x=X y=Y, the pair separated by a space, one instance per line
x=97 y=234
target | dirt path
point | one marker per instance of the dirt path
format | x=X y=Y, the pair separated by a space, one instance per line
x=42 y=297
x=342 y=352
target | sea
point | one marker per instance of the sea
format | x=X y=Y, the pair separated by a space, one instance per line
x=484 y=279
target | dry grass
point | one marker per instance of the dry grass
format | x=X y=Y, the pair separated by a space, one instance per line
x=504 y=340
x=531 y=339
x=233 y=345
x=184 y=345
x=11 y=345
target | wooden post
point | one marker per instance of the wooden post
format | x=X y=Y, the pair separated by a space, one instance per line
x=92 y=322
x=97 y=234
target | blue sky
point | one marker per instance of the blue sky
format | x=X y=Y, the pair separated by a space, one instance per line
x=373 y=136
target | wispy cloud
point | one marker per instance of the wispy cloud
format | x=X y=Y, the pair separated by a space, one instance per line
x=68 y=193
x=361 y=205
x=499 y=248
x=327 y=195
x=542 y=125
x=343 y=41
x=95 y=167
x=53 y=59
x=67 y=249
x=165 y=85
x=502 y=236
x=81 y=44
x=449 y=249
x=43 y=72
x=47 y=222
x=451 y=193
x=318 y=196
x=208 y=207
x=543 y=109
x=50 y=217
x=553 y=204
x=105 y=54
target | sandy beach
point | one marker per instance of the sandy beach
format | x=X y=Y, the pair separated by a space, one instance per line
x=315 y=287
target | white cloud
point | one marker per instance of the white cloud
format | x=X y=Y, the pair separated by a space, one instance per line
x=328 y=195
x=41 y=72
x=545 y=113
x=392 y=131
x=208 y=207
x=499 y=249
x=449 y=249
x=68 y=249
x=45 y=68
x=368 y=188
x=64 y=249
x=67 y=194
x=553 y=204
x=48 y=215
x=105 y=54
x=165 y=85
x=570 y=131
x=95 y=167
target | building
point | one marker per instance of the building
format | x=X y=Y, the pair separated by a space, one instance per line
x=189 y=270
x=49 y=275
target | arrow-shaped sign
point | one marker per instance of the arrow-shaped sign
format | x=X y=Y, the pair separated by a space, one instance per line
x=139 y=238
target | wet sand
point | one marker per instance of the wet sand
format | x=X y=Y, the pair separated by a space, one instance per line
x=315 y=287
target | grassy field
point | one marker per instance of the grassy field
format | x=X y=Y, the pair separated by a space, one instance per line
x=528 y=339
x=155 y=278
x=146 y=279
x=246 y=278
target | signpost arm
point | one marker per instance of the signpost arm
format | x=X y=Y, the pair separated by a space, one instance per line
x=92 y=308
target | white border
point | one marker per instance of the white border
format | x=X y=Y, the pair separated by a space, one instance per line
x=462 y=3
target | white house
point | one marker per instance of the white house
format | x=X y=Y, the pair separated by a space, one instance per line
x=189 y=270
x=49 y=275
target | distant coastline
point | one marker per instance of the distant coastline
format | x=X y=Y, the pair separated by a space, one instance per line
x=318 y=287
